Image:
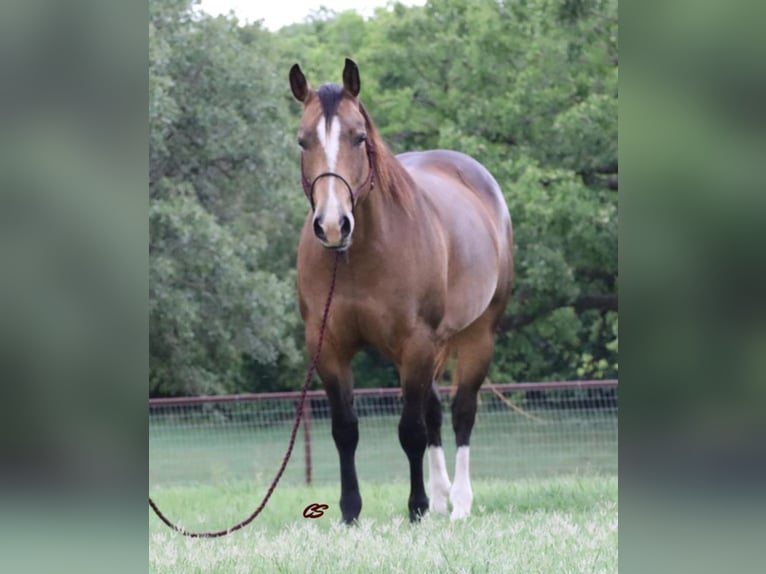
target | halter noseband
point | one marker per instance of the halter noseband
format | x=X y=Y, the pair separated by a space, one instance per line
x=308 y=186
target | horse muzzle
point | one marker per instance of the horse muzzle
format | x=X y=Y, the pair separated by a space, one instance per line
x=335 y=235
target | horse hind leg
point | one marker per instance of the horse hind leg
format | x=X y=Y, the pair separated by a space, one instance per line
x=474 y=357
x=438 y=478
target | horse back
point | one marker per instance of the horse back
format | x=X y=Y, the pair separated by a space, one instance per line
x=443 y=173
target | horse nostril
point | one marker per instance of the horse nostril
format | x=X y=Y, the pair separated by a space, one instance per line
x=318 y=231
x=345 y=227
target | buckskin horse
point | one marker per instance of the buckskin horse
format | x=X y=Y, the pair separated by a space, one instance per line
x=425 y=275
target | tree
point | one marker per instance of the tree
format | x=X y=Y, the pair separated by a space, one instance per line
x=222 y=212
x=528 y=87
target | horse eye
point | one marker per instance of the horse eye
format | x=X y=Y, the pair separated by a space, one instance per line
x=360 y=139
x=302 y=143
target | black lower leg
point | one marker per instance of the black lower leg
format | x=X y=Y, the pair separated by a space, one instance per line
x=463 y=415
x=412 y=436
x=345 y=431
x=433 y=418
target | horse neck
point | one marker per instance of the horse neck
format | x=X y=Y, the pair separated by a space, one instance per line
x=379 y=219
x=372 y=224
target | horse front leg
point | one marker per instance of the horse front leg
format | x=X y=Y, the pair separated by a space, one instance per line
x=338 y=383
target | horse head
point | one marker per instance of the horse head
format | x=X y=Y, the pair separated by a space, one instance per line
x=337 y=156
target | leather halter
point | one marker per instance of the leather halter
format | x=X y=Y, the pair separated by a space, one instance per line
x=308 y=186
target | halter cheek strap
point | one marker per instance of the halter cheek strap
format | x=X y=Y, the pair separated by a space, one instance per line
x=308 y=186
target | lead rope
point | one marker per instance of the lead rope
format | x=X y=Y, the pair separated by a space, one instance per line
x=293 y=433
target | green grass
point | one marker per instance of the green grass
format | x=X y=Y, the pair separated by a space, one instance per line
x=558 y=525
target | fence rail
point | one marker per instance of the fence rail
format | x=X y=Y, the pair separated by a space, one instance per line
x=381 y=392
x=522 y=429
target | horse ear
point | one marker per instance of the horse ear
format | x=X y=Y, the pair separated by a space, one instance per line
x=298 y=83
x=351 y=78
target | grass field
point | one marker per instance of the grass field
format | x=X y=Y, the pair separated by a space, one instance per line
x=564 y=524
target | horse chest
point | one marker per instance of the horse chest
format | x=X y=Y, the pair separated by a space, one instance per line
x=379 y=323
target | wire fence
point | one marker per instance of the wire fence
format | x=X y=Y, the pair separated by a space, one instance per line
x=521 y=430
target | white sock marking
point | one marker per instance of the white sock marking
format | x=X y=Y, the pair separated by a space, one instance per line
x=438 y=480
x=461 y=495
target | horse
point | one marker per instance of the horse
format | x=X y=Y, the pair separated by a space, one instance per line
x=426 y=265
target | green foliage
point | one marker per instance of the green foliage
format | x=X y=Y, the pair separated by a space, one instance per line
x=529 y=88
x=222 y=217
x=210 y=311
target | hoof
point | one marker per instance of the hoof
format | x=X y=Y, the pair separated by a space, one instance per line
x=439 y=498
x=350 y=507
x=461 y=498
x=418 y=509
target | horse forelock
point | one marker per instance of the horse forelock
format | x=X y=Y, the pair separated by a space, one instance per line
x=330 y=96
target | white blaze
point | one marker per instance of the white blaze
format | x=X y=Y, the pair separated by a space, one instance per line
x=329 y=137
x=438 y=480
x=461 y=495
x=330 y=140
